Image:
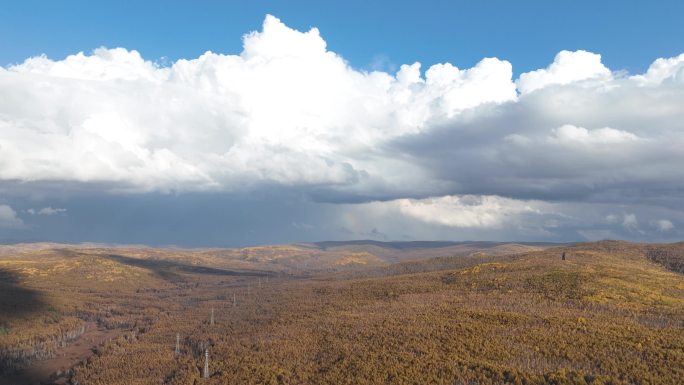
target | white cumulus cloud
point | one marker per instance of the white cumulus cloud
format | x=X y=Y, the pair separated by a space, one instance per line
x=663 y=69
x=287 y=113
x=285 y=110
x=568 y=67
x=9 y=218
x=466 y=211
x=664 y=225
x=606 y=135
x=630 y=222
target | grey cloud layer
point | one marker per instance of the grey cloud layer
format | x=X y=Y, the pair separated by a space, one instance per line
x=452 y=148
x=564 y=143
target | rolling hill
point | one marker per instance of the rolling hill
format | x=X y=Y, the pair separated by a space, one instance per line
x=345 y=313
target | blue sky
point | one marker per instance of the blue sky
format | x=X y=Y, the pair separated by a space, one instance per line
x=628 y=34
x=309 y=121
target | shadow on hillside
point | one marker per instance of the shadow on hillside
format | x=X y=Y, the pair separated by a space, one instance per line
x=17 y=301
x=171 y=270
x=670 y=256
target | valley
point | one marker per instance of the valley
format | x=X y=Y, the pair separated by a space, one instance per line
x=343 y=313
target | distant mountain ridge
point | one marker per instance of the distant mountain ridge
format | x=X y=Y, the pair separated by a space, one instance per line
x=315 y=256
x=407 y=245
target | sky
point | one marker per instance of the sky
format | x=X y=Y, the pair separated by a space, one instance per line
x=242 y=123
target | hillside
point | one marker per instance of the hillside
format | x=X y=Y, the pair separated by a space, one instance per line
x=611 y=313
x=288 y=259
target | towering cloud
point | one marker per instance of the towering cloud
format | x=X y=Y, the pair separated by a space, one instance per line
x=286 y=110
x=288 y=113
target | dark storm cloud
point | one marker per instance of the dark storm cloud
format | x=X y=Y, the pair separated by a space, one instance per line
x=565 y=143
x=187 y=219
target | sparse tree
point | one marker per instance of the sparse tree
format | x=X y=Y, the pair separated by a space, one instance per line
x=205 y=373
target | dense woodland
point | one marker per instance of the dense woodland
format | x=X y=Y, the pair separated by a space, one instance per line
x=611 y=313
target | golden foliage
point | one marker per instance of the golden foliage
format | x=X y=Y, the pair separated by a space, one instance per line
x=606 y=315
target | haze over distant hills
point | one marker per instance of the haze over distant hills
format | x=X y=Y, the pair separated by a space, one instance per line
x=323 y=255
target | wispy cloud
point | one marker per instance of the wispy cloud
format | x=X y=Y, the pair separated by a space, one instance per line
x=48 y=211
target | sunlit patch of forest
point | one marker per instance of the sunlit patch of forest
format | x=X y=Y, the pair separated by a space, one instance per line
x=610 y=313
